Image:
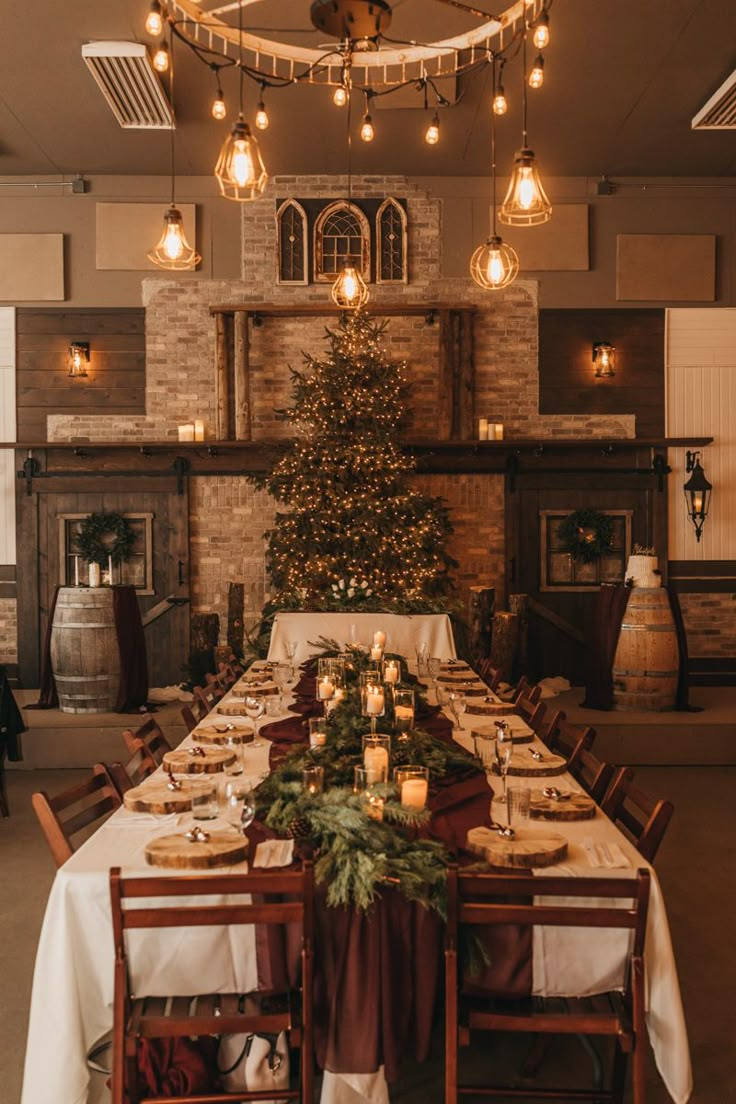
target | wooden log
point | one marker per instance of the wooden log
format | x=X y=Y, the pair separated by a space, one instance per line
x=154 y=796
x=482 y=608
x=209 y=761
x=445 y=382
x=222 y=378
x=204 y=631
x=235 y=612
x=465 y=377
x=519 y=605
x=529 y=848
x=177 y=852
x=241 y=377
x=576 y=806
x=220 y=733
x=523 y=765
x=504 y=644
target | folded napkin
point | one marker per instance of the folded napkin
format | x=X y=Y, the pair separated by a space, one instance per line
x=275 y=852
x=291 y=730
x=608 y=856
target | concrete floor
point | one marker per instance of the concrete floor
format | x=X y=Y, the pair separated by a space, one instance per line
x=695 y=866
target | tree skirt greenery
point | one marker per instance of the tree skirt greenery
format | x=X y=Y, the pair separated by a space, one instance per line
x=103 y=535
x=586 y=534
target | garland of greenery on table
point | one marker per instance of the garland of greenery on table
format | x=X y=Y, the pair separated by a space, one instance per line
x=586 y=534
x=92 y=545
x=356 y=855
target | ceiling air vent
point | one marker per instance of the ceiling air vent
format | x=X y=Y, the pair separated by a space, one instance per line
x=719 y=113
x=129 y=83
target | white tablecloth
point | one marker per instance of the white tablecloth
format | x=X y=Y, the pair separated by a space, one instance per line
x=403 y=633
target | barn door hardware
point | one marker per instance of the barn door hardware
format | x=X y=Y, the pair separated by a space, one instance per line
x=181 y=470
x=31 y=468
x=661 y=468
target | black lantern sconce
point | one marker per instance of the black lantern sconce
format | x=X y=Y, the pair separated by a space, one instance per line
x=697 y=493
x=604 y=359
x=78 y=359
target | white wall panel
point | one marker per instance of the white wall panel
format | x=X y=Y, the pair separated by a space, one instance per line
x=701 y=401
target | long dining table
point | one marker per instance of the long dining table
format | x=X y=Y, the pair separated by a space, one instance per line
x=71 y=1005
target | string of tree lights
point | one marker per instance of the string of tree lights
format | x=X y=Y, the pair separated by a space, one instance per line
x=352 y=513
x=365 y=62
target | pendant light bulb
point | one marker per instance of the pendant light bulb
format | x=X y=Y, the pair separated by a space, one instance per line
x=262 y=120
x=536 y=76
x=367 y=132
x=154 y=20
x=494 y=265
x=432 y=135
x=349 y=291
x=340 y=96
x=500 y=104
x=219 y=110
x=161 y=58
x=173 y=250
x=526 y=202
x=540 y=37
x=240 y=171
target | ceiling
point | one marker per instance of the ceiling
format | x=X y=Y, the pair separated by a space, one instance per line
x=622 y=82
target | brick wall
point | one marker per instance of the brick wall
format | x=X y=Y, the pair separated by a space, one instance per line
x=8 y=630
x=710 y=624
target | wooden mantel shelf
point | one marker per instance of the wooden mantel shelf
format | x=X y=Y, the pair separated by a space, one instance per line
x=415 y=444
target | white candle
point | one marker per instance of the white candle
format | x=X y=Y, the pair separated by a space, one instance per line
x=186 y=432
x=414 y=793
x=379 y=638
x=317 y=739
x=198 y=429
x=76 y=570
x=482 y=429
x=374 y=701
x=94 y=574
x=375 y=760
x=325 y=688
x=109 y=570
x=376 y=653
x=339 y=694
x=391 y=671
x=403 y=713
x=497 y=431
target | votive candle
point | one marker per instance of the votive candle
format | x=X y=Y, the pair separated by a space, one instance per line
x=379 y=638
x=376 y=653
x=374 y=701
x=391 y=671
x=414 y=793
x=325 y=688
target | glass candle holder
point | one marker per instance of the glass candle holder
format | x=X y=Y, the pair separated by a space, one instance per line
x=376 y=653
x=376 y=756
x=392 y=671
x=317 y=732
x=325 y=688
x=379 y=638
x=372 y=697
x=403 y=712
x=313 y=779
x=413 y=786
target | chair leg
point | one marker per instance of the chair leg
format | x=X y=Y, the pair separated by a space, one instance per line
x=640 y=1031
x=4 y=807
x=618 y=1080
x=451 y=1027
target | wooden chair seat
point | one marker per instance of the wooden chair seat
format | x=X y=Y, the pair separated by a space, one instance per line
x=642 y=818
x=62 y=817
x=151 y=734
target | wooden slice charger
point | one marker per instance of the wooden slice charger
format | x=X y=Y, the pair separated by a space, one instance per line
x=577 y=807
x=531 y=847
x=208 y=734
x=469 y=689
x=522 y=764
x=488 y=708
x=214 y=759
x=154 y=796
x=490 y=734
x=454 y=676
x=176 y=852
x=257 y=690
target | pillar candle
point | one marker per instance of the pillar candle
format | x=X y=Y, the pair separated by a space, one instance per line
x=374 y=700
x=497 y=431
x=375 y=760
x=379 y=638
x=94 y=574
x=198 y=429
x=76 y=570
x=403 y=714
x=109 y=570
x=376 y=653
x=482 y=429
x=391 y=671
x=414 y=793
x=186 y=432
x=325 y=688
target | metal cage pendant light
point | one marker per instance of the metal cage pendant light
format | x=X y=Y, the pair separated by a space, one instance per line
x=494 y=265
x=240 y=171
x=349 y=291
x=173 y=250
x=525 y=202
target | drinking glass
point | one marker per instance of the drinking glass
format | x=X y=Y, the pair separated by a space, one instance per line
x=280 y=675
x=485 y=750
x=434 y=666
x=204 y=799
x=504 y=748
x=458 y=704
x=254 y=708
x=234 y=744
x=248 y=812
x=290 y=649
x=413 y=786
x=421 y=651
x=313 y=779
x=372 y=697
x=403 y=712
x=232 y=796
x=317 y=732
x=273 y=705
x=517 y=806
x=377 y=755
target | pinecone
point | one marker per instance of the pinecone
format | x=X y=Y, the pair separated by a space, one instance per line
x=299 y=828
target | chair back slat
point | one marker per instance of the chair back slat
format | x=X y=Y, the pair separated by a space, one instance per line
x=152 y=736
x=289 y=912
x=644 y=818
x=493 y=914
x=60 y=828
x=203 y=885
x=193 y=714
x=208 y=696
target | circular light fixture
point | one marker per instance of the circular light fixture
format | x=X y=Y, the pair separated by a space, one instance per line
x=349 y=291
x=173 y=250
x=495 y=264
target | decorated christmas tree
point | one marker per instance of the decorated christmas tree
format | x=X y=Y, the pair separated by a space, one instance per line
x=354 y=534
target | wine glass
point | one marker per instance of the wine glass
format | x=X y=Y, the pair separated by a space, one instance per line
x=421 y=650
x=504 y=748
x=290 y=649
x=231 y=801
x=434 y=666
x=248 y=812
x=280 y=675
x=254 y=708
x=458 y=705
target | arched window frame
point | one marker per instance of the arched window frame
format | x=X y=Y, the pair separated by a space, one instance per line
x=296 y=206
x=392 y=204
x=365 y=233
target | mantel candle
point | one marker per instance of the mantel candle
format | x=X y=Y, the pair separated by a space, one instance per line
x=76 y=570
x=94 y=574
x=109 y=570
x=482 y=429
x=376 y=757
x=186 y=432
x=198 y=429
x=495 y=432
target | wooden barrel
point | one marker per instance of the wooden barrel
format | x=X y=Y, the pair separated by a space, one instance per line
x=84 y=650
x=646 y=663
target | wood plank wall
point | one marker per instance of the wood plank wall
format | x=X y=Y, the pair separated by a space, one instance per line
x=117 y=369
x=567 y=383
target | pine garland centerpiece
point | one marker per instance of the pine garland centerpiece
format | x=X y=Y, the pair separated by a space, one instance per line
x=586 y=534
x=105 y=535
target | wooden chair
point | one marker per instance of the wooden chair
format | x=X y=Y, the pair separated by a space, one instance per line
x=490 y=675
x=533 y=713
x=641 y=817
x=486 y=899
x=574 y=742
x=208 y=696
x=193 y=714
x=140 y=765
x=152 y=736
x=524 y=689
x=223 y=680
x=63 y=816
x=221 y=1013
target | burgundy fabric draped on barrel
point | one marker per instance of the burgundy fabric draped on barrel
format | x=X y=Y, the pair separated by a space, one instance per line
x=133 y=689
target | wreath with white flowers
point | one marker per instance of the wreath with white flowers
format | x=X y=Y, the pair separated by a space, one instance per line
x=586 y=534
x=349 y=590
x=103 y=535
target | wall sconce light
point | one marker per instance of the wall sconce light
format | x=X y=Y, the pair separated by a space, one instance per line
x=78 y=359
x=697 y=493
x=604 y=359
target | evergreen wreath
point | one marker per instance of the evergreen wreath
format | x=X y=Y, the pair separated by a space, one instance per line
x=93 y=546
x=586 y=534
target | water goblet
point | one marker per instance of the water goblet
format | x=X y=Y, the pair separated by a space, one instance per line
x=458 y=704
x=434 y=666
x=280 y=675
x=248 y=811
x=290 y=649
x=421 y=651
x=254 y=708
x=233 y=742
x=504 y=749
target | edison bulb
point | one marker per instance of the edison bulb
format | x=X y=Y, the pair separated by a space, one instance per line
x=527 y=189
x=219 y=111
x=367 y=133
x=242 y=163
x=540 y=38
x=154 y=20
x=536 y=77
x=340 y=96
x=432 y=135
x=161 y=58
x=262 y=119
x=500 y=105
x=173 y=245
